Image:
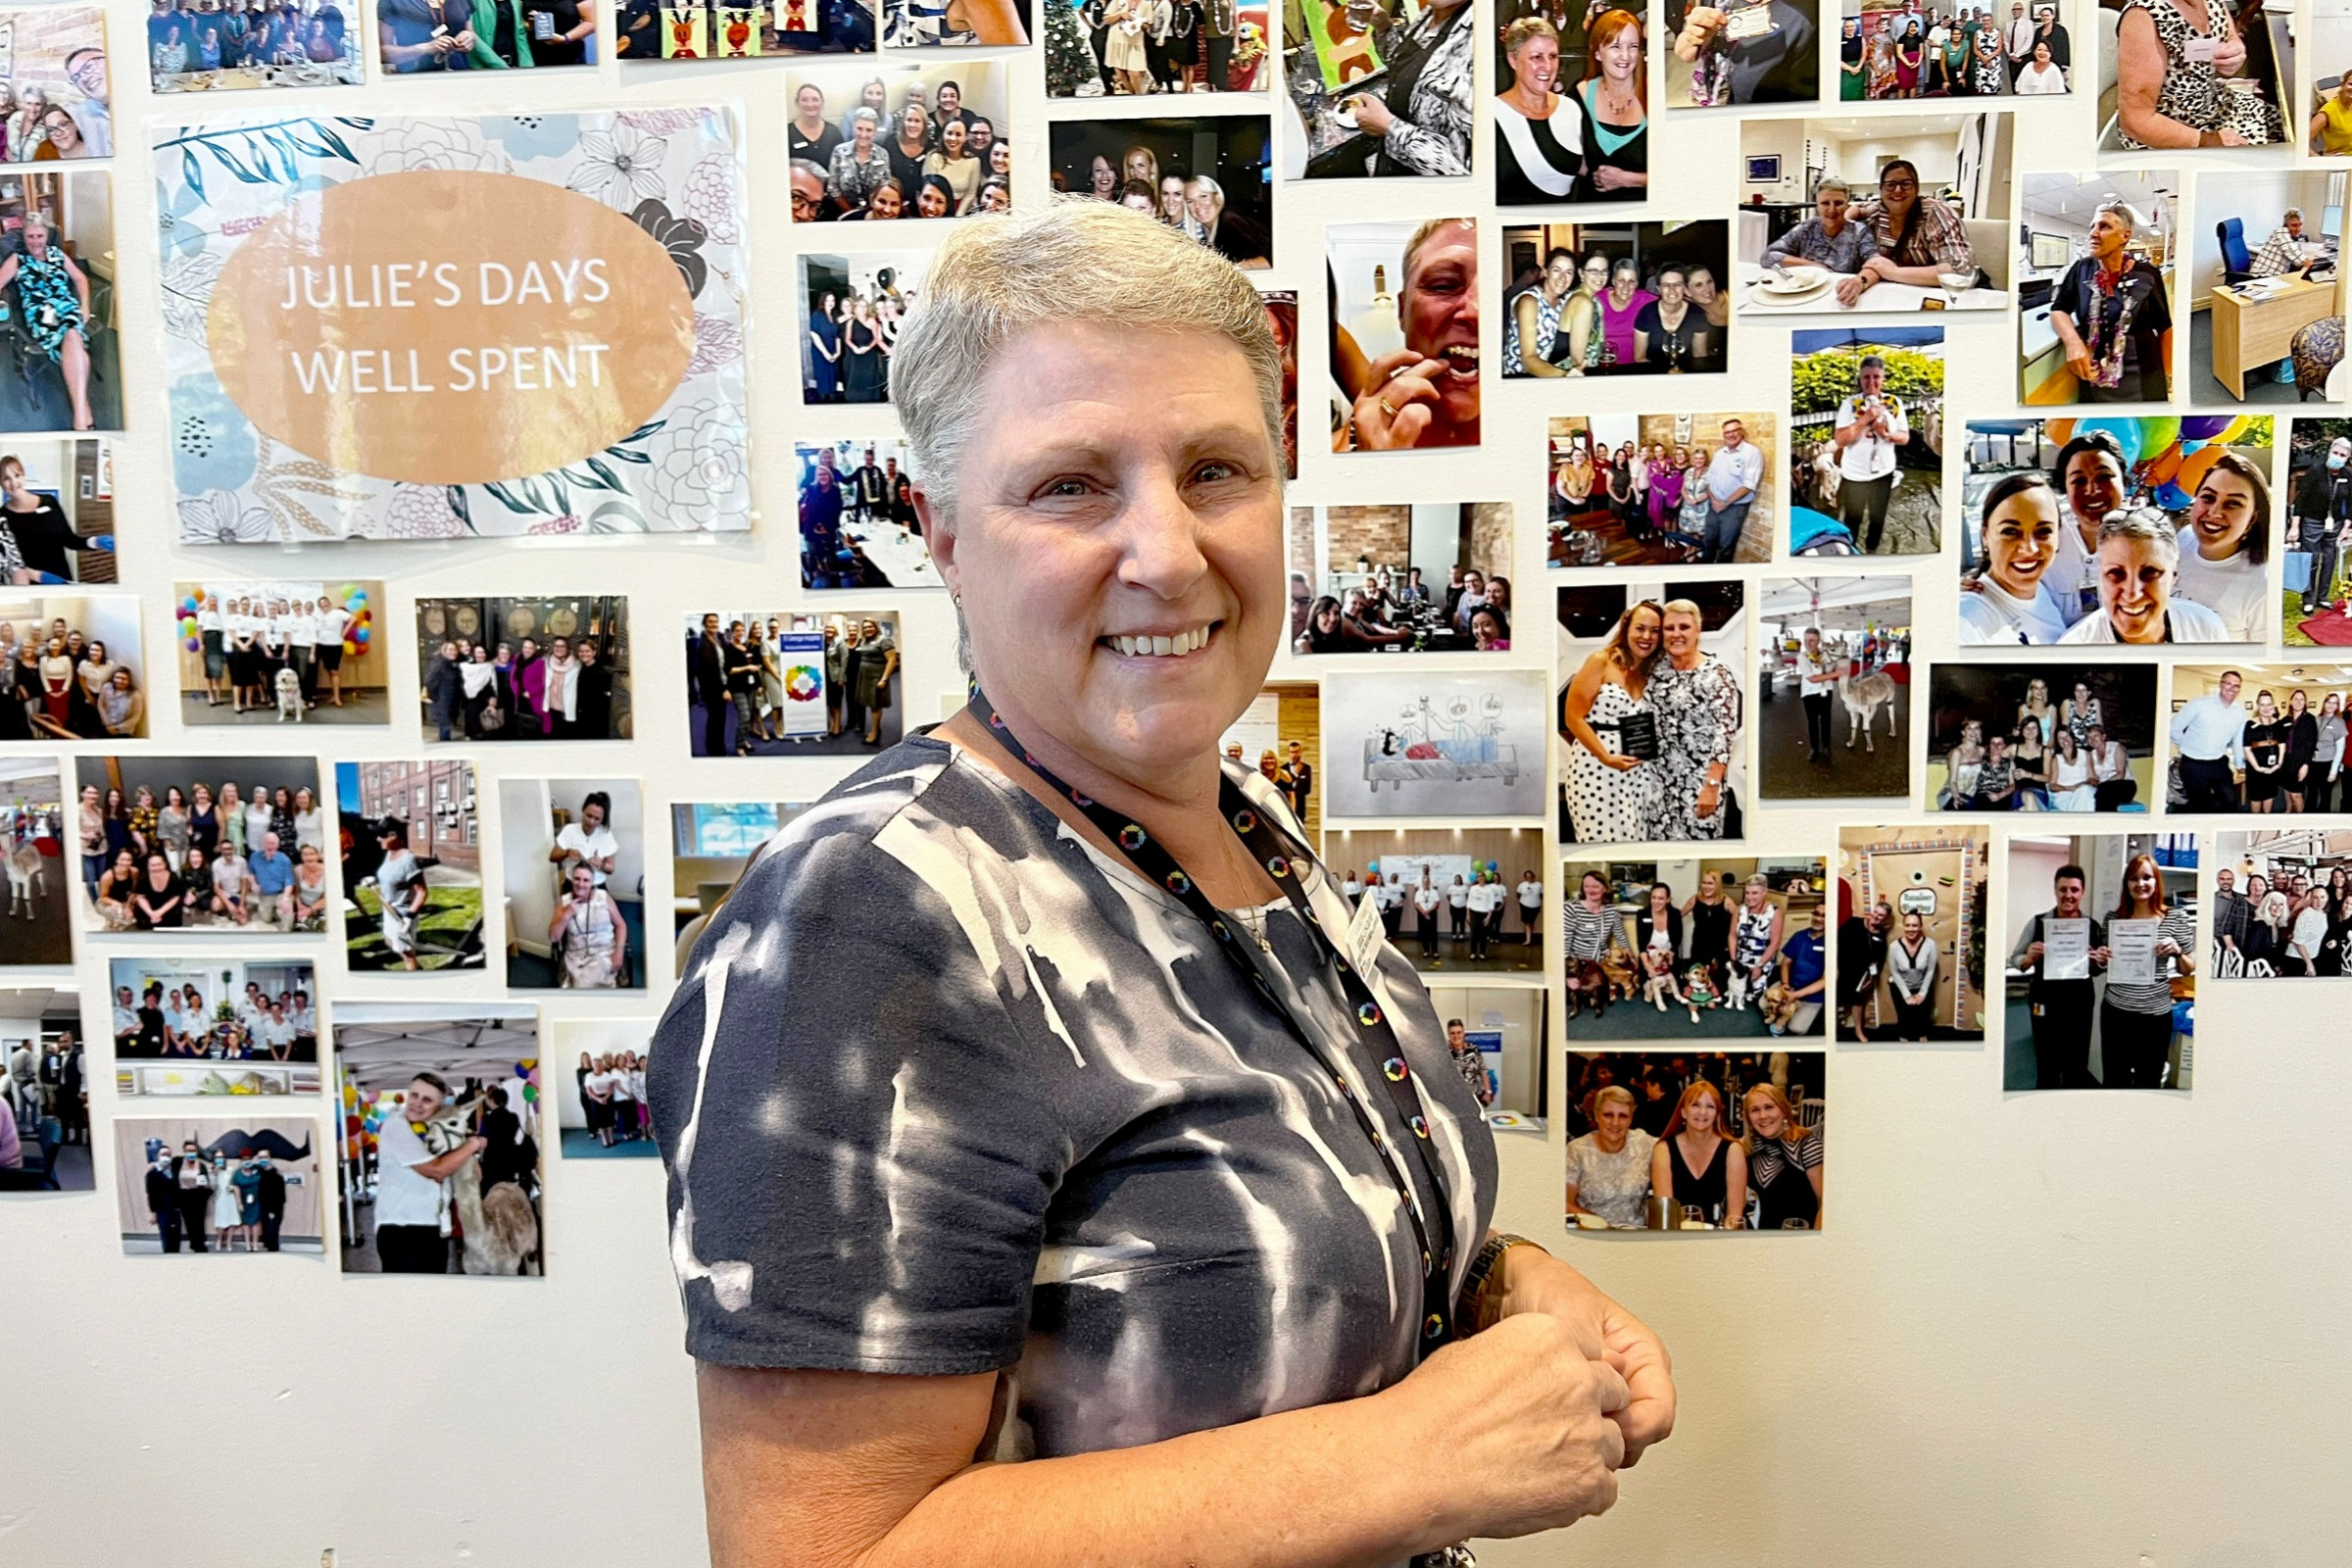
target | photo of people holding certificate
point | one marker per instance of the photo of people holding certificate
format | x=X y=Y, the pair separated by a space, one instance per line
x=2103 y=957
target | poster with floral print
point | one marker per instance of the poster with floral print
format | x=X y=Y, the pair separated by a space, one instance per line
x=448 y=327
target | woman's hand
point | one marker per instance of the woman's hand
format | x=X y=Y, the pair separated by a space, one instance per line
x=1372 y=115
x=1395 y=410
x=1608 y=176
x=1536 y=1281
x=1621 y=763
x=2229 y=54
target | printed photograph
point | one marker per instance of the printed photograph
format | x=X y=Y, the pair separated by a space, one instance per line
x=2103 y=957
x=1429 y=577
x=2095 y=266
x=303 y=651
x=1618 y=298
x=415 y=36
x=1466 y=745
x=2328 y=107
x=1281 y=315
x=2165 y=82
x=45 y=1092
x=412 y=844
x=956 y=23
x=785 y=683
x=1211 y=176
x=851 y=307
x=1281 y=734
x=2281 y=903
x=1404 y=332
x=56 y=98
x=1666 y=949
x=2267 y=306
x=665 y=29
x=1467 y=901
x=1696 y=1142
x=574 y=880
x=1497 y=1037
x=1893 y=49
x=1830 y=223
x=438 y=1169
x=1652 y=711
x=2315 y=534
x=231 y=45
x=2258 y=738
x=2038 y=737
x=1222 y=49
x=37 y=928
x=246 y=1183
x=858 y=526
x=601 y=1105
x=57 y=512
x=1912 y=907
x=1662 y=489
x=912 y=142
x=712 y=842
x=1572 y=105
x=1379 y=87
x=1866 y=441
x=62 y=338
x=1833 y=683
x=215 y=1026
x=2116 y=530
x=524 y=670
x=1742 y=52
x=75 y=660
x=162 y=848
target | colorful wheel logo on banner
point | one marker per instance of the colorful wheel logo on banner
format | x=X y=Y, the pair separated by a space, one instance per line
x=803 y=683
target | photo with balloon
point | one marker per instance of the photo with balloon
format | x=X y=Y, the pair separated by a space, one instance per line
x=282 y=651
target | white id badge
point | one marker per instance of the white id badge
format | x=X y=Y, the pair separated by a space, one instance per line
x=2200 y=51
x=1366 y=933
x=1748 y=22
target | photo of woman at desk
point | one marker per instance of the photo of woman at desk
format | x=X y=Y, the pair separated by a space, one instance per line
x=2095 y=257
x=2269 y=309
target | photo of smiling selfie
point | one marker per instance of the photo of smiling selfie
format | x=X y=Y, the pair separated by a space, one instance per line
x=1403 y=334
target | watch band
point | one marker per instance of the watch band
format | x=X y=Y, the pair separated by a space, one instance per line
x=1481 y=1268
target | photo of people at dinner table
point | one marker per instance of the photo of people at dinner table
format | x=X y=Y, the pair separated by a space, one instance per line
x=1431 y=577
x=1663 y=950
x=1696 y=1141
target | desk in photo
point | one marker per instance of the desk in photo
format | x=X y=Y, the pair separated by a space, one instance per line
x=2259 y=328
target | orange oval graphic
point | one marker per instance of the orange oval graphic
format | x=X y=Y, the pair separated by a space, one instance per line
x=443 y=327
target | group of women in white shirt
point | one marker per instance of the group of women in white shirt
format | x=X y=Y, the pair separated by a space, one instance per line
x=613 y=1094
x=1471 y=909
x=252 y=636
x=178 y=1023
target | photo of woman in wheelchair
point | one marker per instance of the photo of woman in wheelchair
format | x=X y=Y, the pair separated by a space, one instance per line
x=49 y=311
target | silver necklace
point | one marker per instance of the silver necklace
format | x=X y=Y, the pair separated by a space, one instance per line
x=1256 y=921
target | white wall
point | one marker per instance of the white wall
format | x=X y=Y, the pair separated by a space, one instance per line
x=2257 y=201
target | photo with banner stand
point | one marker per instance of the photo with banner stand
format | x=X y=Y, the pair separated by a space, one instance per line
x=793 y=683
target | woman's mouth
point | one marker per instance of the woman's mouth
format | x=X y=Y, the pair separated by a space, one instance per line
x=1179 y=643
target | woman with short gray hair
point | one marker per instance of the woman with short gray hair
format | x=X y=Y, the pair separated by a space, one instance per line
x=2138 y=557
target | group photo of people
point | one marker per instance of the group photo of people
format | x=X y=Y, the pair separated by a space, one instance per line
x=1280 y=735
x=2116 y=530
x=215 y=1026
x=74 y=666
x=2041 y=737
x=162 y=847
x=57 y=512
x=1833 y=688
x=1211 y=176
x=601 y=1111
x=1133 y=48
x=2315 y=534
x=2184 y=75
x=2103 y=951
x=1377 y=88
x=227 y=45
x=1652 y=711
x=1662 y=489
x=2267 y=298
x=851 y=308
x=788 y=683
x=438 y=1171
x=2282 y=904
x=1662 y=949
x=1866 y=441
x=1404 y=352
x=44 y=1093
x=2263 y=739
x=524 y=670
x=414 y=36
x=412 y=850
x=2095 y=261
x=1829 y=223
x=277 y=651
x=1900 y=49
x=218 y=1184
x=1730 y=55
x=858 y=524
x=1617 y=299
x=652 y=31
x=900 y=141
x=1696 y=1141
x=1419 y=578
x=36 y=926
x=56 y=100
x=1571 y=103
x=1461 y=900
x=1913 y=907
x=573 y=857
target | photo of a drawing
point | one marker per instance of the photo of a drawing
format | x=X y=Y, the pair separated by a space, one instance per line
x=1431 y=744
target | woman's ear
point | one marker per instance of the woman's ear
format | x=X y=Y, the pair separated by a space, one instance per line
x=938 y=533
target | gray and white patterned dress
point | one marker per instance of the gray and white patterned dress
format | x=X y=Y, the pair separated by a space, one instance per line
x=946 y=1090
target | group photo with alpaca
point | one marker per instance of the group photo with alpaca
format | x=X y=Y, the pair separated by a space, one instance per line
x=1833 y=688
x=35 y=926
x=1665 y=950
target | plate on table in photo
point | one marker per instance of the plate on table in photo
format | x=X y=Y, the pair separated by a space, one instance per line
x=1408 y=578
x=1210 y=176
x=1913 y=905
x=1662 y=489
x=650 y=30
x=601 y=1105
x=58 y=525
x=1887 y=54
x=2167 y=84
x=433 y=38
x=1464 y=745
x=568 y=357
x=1455 y=900
x=2041 y=737
x=416 y=1082
x=1373 y=90
x=789 y=683
x=63 y=337
x=2097 y=255
x=2270 y=329
x=1403 y=334
x=44 y=860
x=1866 y=441
x=2102 y=956
x=1928 y=230
x=412 y=865
x=2116 y=529
x=215 y=1026
x=848 y=304
x=858 y=524
x=712 y=842
x=1495 y=1036
x=1744 y=52
x=2315 y=502
x=2258 y=739
x=2281 y=903
x=1696 y=1142
x=1712 y=947
x=573 y=857
x=1280 y=733
x=59 y=98
x=197 y=46
x=1834 y=669
x=1596 y=67
x=75 y=665
x=1616 y=298
x=280 y=651
x=241 y=1183
x=525 y=670
x=44 y=1094
x=1226 y=54
x=938 y=144
x=233 y=845
x=1671 y=763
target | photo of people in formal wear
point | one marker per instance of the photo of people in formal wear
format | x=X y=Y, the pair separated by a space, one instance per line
x=661 y=30
x=1468 y=900
x=232 y=45
x=244 y=1182
x=2103 y=957
x=1571 y=103
x=237 y=845
x=2315 y=534
x=1377 y=88
x=412 y=842
x=1662 y=489
x=1429 y=578
x=1741 y=52
x=57 y=512
x=905 y=141
x=550 y=668
x=2095 y=260
x=38 y=926
x=1696 y=1141
x=788 y=683
x=2264 y=739
x=1866 y=441
x=2267 y=298
x=1913 y=903
x=439 y=1168
x=2116 y=530
x=415 y=37
x=298 y=651
x=573 y=858
x=1281 y=735
x=73 y=667
x=1715 y=947
x=1833 y=688
x=1652 y=711
x=1616 y=298
x=44 y=1092
x=2041 y=737
x=215 y=1026
x=1496 y=1037
x=1210 y=176
x=2282 y=904
x=1403 y=334
x=602 y=1110
x=56 y=100
x=712 y=842
x=1898 y=49
x=1131 y=48
x=1829 y=223
x=1453 y=744
x=2177 y=74
x=851 y=308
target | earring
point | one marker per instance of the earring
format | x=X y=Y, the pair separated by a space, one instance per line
x=958 y=601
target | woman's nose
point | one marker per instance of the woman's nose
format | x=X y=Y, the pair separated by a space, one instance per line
x=1163 y=547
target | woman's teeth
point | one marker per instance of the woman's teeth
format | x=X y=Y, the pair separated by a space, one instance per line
x=1175 y=647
